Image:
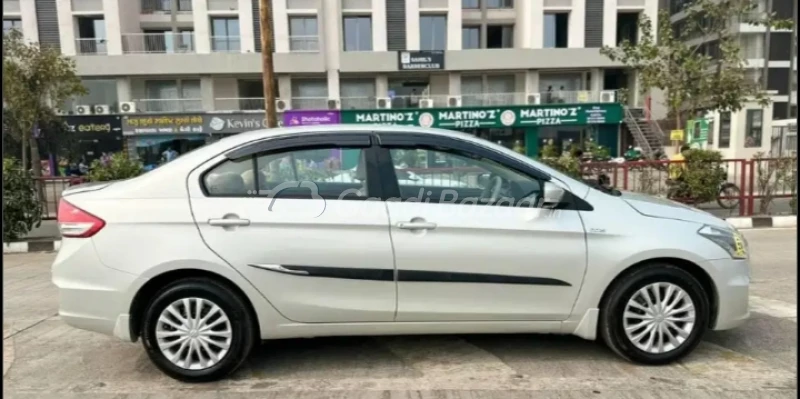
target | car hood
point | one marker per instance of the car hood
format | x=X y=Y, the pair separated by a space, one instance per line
x=667 y=209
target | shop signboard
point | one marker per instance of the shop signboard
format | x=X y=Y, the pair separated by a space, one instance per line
x=86 y=125
x=163 y=124
x=309 y=117
x=420 y=60
x=490 y=117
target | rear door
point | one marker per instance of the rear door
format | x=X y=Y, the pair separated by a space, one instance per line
x=461 y=257
x=293 y=216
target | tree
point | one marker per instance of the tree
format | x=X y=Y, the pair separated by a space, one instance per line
x=21 y=208
x=697 y=62
x=34 y=80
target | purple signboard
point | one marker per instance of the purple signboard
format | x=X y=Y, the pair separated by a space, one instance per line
x=300 y=118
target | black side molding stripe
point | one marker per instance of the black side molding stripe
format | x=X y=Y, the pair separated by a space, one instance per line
x=419 y=276
x=454 y=277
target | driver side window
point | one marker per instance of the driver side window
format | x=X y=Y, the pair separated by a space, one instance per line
x=438 y=176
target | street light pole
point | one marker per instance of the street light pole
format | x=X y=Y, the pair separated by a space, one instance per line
x=265 y=15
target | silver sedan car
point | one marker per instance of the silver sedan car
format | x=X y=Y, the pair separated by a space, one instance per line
x=370 y=230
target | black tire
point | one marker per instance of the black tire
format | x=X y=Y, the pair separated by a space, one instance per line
x=613 y=307
x=728 y=190
x=242 y=325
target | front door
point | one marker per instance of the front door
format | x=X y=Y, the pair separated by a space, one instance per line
x=298 y=226
x=473 y=247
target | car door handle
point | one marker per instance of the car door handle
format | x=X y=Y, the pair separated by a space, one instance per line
x=416 y=225
x=228 y=222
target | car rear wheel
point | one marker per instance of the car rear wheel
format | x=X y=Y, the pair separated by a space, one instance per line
x=655 y=315
x=197 y=330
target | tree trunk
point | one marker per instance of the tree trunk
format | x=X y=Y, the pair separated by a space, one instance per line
x=36 y=163
x=24 y=145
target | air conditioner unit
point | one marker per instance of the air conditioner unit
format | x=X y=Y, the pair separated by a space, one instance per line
x=426 y=103
x=333 y=103
x=454 y=101
x=533 y=98
x=101 y=109
x=282 y=105
x=60 y=111
x=383 y=103
x=608 y=96
x=128 y=107
x=83 y=109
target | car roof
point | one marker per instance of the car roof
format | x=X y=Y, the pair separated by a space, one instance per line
x=341 y=128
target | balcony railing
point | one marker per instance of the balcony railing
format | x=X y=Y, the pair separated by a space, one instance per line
x=309 y=103
x=491 y=99
x=308 y=44
x=226 y=44
x=89 y=46
x=158 y=43
x=239 y=104
x=169 y=105
x=223 y=5
x=150 y=6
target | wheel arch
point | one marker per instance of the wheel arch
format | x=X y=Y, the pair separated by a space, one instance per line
x=690 y=267
x=145 y=294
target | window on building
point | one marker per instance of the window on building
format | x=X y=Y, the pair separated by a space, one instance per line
x=556 y=28
x=357 y=93
x=500 y=36
x=500 y=3
x=432 y=32
x=251 y=94
x=9 y=24
x=171 y=96
x=99 y=92
x=724 y=130
x=470 y=37
x=91 y=35
x=470 y=4
x=165 y=41
x=628 y=27
x=357 y=33
x=309 y=93
x=225 y=34
x=753 y=128
x=303 y=34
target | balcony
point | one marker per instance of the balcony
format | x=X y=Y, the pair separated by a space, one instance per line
x=226 y=44
x=239 y=104
x=91 y=46
x=158 y=43
x=160 y=105
x=304 y=44
x=412 y=102
x=223 y=5
x=165 y=6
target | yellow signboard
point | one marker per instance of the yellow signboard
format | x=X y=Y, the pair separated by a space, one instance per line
x=676 y=135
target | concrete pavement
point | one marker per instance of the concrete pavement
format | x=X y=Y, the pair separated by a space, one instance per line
x=45 y=358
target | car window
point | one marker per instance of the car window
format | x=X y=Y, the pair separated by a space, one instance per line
x=303 y=173
x=443 y=173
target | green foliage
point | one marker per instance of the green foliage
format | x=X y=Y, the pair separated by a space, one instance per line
x=33 y=78
x=566 y=164
x=772 y=176
x=666 y=58
x=598 y=152
x=550 y=150
x=119 y=167
x=702 y=177
x=21 y=208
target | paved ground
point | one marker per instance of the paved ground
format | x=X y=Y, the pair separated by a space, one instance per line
x=42 y=357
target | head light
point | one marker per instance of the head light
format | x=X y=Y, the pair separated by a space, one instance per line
x=729 y=240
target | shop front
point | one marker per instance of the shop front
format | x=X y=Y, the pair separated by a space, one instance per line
x=523 y=128
x=95 y=135
x=155 y=139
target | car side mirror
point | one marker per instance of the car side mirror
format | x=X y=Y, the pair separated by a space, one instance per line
x=552 y=196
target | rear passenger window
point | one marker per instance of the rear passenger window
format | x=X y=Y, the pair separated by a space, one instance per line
x=330 y=173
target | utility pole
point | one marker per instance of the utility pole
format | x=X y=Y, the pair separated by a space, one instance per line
x=265 y=15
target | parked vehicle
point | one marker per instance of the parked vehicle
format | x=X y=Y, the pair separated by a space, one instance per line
x=200 y=264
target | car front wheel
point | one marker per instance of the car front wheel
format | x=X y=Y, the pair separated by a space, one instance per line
x=655 y=315
x=197 y=330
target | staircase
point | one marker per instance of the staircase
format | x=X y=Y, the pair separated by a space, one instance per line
x=647 y=134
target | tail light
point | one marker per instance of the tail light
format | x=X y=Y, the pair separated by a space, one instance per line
x=77 y=223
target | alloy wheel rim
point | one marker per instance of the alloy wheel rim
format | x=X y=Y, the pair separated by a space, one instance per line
x=659 y=318
x=194 y=333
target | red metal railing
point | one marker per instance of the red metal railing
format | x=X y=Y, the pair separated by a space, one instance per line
x=50 y=189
